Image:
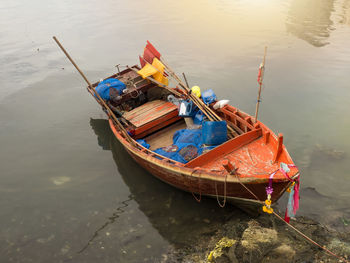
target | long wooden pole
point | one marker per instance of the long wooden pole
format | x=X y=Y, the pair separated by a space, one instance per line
x=195 y=100
x=211 y=118
x=110 y=112
x=206 y=109
x=261 y=74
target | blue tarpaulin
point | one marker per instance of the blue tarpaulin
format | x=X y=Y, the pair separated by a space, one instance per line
x=143 y=143
x=103 y=88
x=208 y=96
x=186 y=146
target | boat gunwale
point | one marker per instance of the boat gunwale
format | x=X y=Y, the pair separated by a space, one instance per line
x=200 y=172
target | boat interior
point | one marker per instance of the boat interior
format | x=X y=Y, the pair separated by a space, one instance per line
x=149 y=116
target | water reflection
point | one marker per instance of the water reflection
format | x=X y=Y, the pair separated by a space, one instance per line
x=173 y=213
x=311 y=21
x=103 y=132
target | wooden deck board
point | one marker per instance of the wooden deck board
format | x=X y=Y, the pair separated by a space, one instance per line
x=143 y=108
x=149 y=112
x=164 y=137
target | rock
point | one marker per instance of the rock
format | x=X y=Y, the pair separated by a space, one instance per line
x=256 y=236
x=257 y=241
x=283 y=251
x=339 y=247
x=227 y=256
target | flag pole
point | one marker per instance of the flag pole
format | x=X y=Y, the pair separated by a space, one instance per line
x=260 y=80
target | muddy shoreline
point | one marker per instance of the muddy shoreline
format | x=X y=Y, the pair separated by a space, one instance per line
x=265 y=238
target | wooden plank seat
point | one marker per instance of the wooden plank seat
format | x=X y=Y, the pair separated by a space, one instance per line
x=151 y=117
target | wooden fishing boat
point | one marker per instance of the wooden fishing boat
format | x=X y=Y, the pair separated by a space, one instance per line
x=239 y=170
x=249 y=166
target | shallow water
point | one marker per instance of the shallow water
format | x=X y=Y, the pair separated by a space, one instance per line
x=69 y=192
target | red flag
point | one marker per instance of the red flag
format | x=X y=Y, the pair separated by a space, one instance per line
x=152 y=49
x=148 y=55
x=142 y=62
x=261 y=73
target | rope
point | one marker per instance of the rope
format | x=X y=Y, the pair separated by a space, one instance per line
x=217 y=196
x=310 y=240
x=199 y=187
x=295 y=229
x=239 y=180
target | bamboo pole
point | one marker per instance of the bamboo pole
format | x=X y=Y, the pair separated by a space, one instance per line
x=110 y=112
x=194 y=98
x=207 y=109
x=176 y=93
x=262 y=70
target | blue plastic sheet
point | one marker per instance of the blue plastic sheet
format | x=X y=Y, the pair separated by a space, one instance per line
x=188 y=136
x=198 y=118
x=214 y=132
x=143 y=143
x=103 y=88
x=208 y=96
x=187 y=145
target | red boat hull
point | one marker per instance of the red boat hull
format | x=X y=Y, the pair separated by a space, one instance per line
x=201 y=182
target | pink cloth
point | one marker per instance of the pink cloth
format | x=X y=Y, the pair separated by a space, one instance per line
x=296 y=196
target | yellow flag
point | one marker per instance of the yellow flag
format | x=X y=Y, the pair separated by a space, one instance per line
x=147 y=71
x=159 y=75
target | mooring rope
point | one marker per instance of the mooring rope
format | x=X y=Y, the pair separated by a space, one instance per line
x=295 y=229
x=310 y=240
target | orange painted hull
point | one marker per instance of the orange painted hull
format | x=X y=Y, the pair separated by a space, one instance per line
x=207 y=182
